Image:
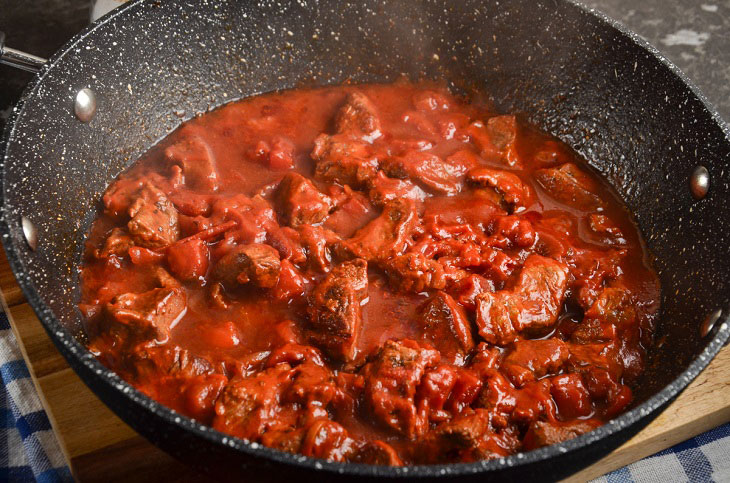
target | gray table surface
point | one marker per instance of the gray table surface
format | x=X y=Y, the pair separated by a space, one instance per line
x=693 y=34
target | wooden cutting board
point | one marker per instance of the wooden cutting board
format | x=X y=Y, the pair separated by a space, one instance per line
x=100 y=447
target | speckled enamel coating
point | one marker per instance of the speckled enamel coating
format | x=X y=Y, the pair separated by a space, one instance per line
x=575 y=73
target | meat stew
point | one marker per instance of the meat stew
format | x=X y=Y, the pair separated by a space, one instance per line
x=384 y=274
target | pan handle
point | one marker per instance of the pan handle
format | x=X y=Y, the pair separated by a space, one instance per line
x=19 y=59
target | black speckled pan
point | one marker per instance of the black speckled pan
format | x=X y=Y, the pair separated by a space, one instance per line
x=575 y=73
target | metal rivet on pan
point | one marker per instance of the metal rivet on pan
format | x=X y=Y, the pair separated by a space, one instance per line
x=85 y=105
x=709 y=322
x=699 y=183
x=29 y=232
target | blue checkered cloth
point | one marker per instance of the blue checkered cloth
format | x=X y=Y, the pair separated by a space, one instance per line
x=29 y=450
x=704 y=458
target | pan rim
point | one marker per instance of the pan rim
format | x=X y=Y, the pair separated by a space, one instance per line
x=76 y=354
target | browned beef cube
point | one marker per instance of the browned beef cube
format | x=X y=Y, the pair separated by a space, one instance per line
x=534 y=359
x=430 y=171
x=545 y=433
x=315 y=389
x=344 y=159
x=469 y=437
x=195 y=158
x=154 y=220
x=154 y=362
x=447 y=327
x=334 y=309
x=612 y=310
x=301 y=202
x=515 y=192
x=497 y=138
x=570 y=185
x=467 y=289
x=288 y=439
x=413 y=272
x=464 y=432
x=328 y=440
x=151 y=314
x=384 y=189
x=391 y=380
x=376 y=453
x=255 y=263
x=358 y=115
x=604 y=226
x=117 y=243
x=532 y=305
x=386 y=236
x=247 y=406
x=120 y=195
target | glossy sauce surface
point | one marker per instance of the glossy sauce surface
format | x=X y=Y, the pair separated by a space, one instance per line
x=385 y=274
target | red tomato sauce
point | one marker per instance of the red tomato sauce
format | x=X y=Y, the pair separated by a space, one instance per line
x=384 y=274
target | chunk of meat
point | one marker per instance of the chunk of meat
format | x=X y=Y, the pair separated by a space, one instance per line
x=344 y=159
x=150 y=315
x=117 y=243
x=301 y=202
x=613 y=309
x=569 y=185
x=413 y=272
x=532 y=305
x=334 y=309
x=571 y=396
x=533 y=359
x=188 y=260
x=384 y=189
x=327 y=439
x=391 y=380
x=496 y=139
x=358 y=115
x=120 y=195
x=196 y=159
x=469 y=437
x=255 y=263
x=154 y=221
x=605 y=227
x=249 y=406
x=545 y=433
x=428 y=170
x=447 y=327
x=189 y=203
x=386 y=236
x=590 y=270
x=515 y=191
x=167 y=360
x=467 y=290
x=376 y=453
x=314 y=389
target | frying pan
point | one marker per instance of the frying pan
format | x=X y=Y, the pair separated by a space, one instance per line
x=575 y=73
